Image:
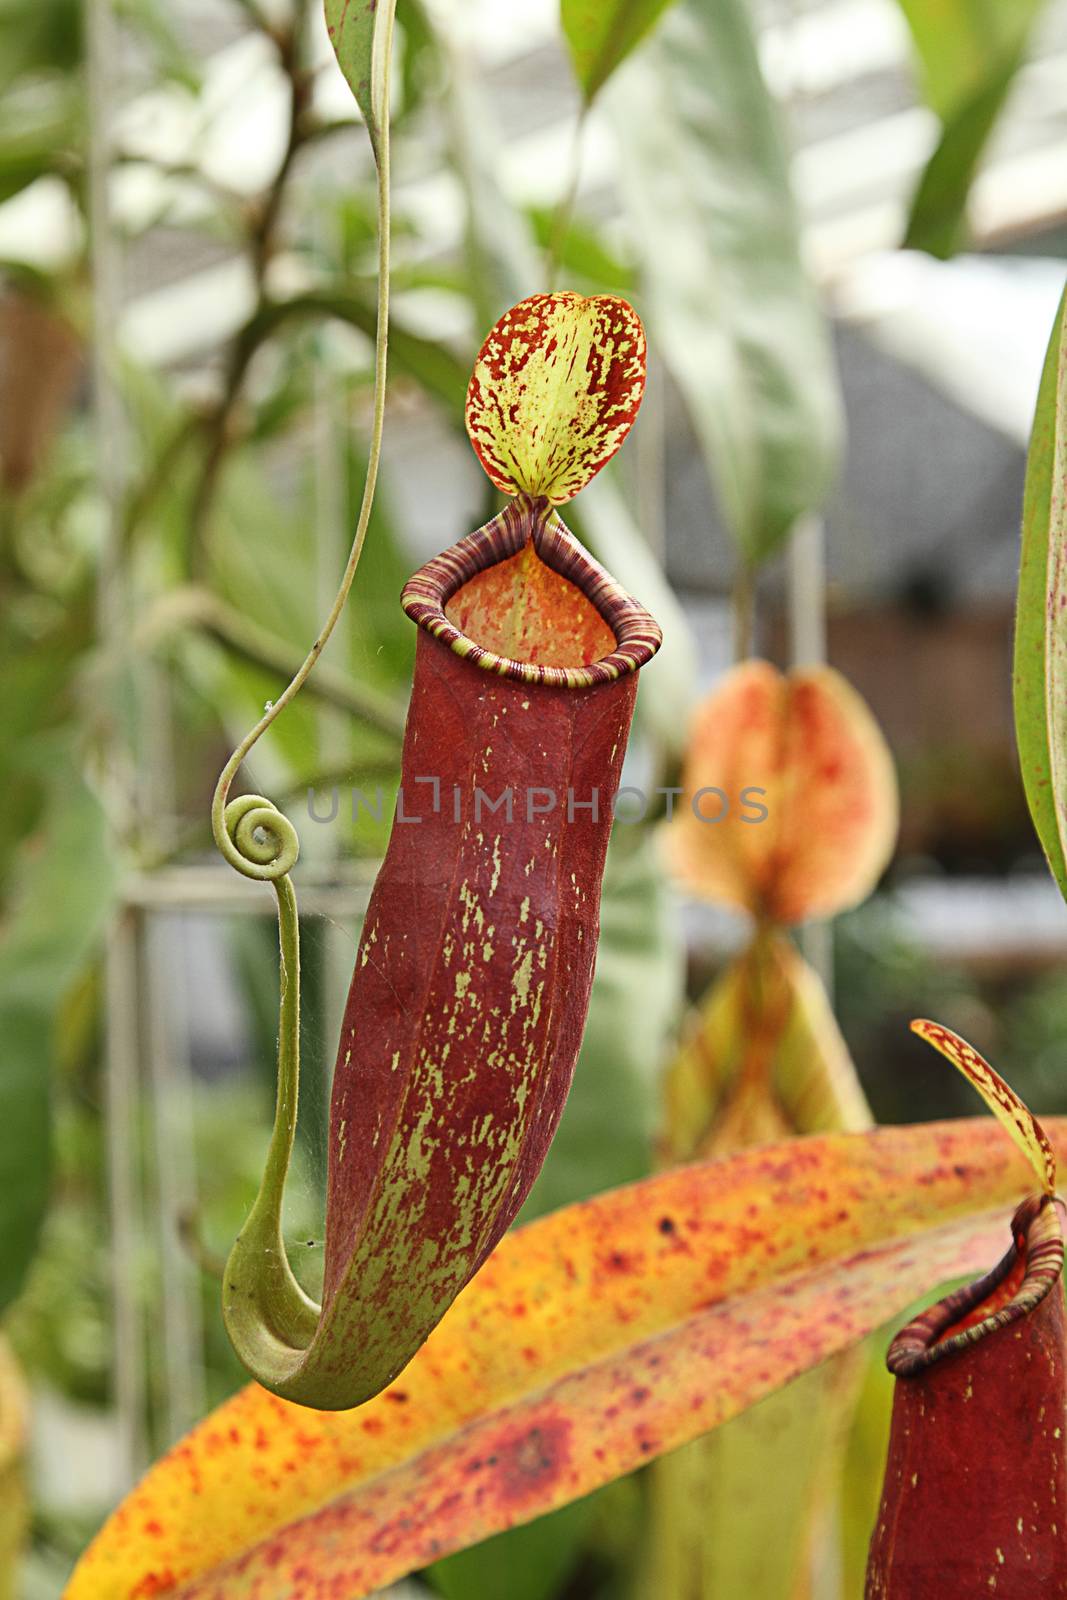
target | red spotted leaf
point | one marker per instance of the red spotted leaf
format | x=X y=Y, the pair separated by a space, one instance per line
x=554 y=392
x=1000 y=1097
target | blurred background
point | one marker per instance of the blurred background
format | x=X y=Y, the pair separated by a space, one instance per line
x=844 y=223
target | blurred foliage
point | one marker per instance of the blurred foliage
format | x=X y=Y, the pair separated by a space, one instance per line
x=729 y=305
x=969 y=54
x=13 y=1498
x=601 y=36
x=62 y=888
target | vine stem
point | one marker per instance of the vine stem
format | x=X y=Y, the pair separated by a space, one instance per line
x=280 y=1149
x=381 y=347
x=743 y=605
x=260 y=842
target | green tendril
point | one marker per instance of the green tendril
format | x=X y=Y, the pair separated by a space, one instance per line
x=269 y=1318
x=258 y=839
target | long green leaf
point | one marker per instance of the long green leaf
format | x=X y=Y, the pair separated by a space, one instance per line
x=601 y=33
x=65 y=878
x=1041 y=617
x=969 y=53
x=937 y=222
x=958 y=40
x=714 y=1530
x=530 y=1562
x=729 y=307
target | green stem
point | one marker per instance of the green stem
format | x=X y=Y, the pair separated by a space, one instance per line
x=280 y=1149
x=744 y=611
x=381 y=345
x=266 y=1312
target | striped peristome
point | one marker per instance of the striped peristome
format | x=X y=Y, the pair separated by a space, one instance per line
x=1012 y=1289
x=524 y=522
x=975 y=1490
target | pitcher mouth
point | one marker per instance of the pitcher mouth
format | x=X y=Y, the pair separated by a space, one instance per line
x=1014 y=1288
x=527 y=522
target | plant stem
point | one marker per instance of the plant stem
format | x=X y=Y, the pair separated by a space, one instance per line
x=262 y=1300
x=744 y=611
x=381 y=346
x=283 y=1133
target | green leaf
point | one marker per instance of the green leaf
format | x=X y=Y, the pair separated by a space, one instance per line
x=525 y=1563
x=588 y=261
x=957 y=42
x=14 y=1505
x=358 y=30
x=937 y=222
x=1040 y=678
x=714 y=1529
x=429 y=363
x=601 y=33
x=38 y=37
x=39 y=128
x=65 y=878
x=969 y=53
x=864 y=1463
x=727 y=302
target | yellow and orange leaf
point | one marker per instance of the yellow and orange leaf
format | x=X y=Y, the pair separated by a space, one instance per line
x=554 y=392
x=1000 y=1097
x=14 y=1508
x=592 y=1340
x=810 y=745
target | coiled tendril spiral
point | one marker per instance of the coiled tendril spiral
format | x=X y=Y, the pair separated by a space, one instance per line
x=257 y=839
